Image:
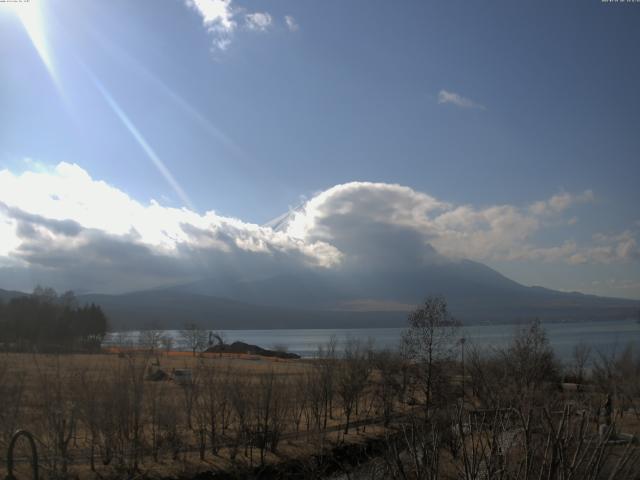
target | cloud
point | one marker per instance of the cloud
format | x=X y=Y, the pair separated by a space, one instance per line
x=81 y=231
x=610 y=248
x=72 y=230
x=561 y=202
x=618 y=284
x=372 y=224
x=258 y=21
x=26 y=221
x=219 y=18
x=292 y=24
x=458 y=100
x=395 y=225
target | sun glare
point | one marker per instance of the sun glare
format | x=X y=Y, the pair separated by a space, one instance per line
x=30 y=15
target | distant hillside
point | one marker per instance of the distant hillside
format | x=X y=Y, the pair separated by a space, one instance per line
x=6 y=295
x=171 y=310
x=475 y=293
x=349 y=299
x=329 y=290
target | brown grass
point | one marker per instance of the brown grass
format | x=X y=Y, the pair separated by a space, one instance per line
x=31 y=369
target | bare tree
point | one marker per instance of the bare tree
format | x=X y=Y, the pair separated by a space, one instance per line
x=213 y=404
x=240 y=401
x=326 y=363
x=167 y=434
x=428 y=342
x=524 y=372
x=488 y=379
x=388 y=385
x=619 y=375
x=530 y=363
x=268 y=412
x=166 y=342
x=58 y=413
x=352 y=377
x=12 y=389
x=298 y=398
x=198 y=412
x=189 y=389
x=193 y=337
x=412 y=452
x=150 y=339
x=581 y=358
x=88 y=392
x=107 y=406
x=135 y=373
x=316 y=395
x=122 y=415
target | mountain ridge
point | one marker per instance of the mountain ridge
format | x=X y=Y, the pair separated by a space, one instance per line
x=475 y=293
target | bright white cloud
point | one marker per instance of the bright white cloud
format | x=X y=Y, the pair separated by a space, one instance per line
x=217 y=17
x=458 y=100
x=292 y=24
x=374 y=218
x=220 y=18
x=214 y=12
x=84 y=230
x=371 y=224
x=75 y=224
x=258 y=21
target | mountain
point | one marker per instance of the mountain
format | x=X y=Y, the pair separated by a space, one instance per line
x=6 y=295
x=350 y=298
x=475 y=293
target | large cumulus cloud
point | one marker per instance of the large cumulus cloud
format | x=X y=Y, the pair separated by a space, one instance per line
x=62 y=227
x=393 y=225
x=79 y=232
x=371 y=224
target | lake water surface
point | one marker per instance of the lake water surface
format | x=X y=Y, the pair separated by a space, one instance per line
x=602 y=336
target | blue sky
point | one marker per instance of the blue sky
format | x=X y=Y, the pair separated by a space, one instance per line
x=251 y=108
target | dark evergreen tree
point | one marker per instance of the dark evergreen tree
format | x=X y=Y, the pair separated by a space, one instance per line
x=45 y=321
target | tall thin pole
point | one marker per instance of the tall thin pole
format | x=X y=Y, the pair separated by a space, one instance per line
x=462 y=342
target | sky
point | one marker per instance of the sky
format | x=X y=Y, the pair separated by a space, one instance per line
x=158 y=140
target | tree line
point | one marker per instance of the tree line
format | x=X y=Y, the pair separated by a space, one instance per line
x=46 y=322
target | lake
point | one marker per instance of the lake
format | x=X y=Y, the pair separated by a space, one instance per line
x=602 y=336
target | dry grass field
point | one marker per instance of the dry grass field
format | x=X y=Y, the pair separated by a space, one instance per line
x=144 y=414
x=101 y=415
